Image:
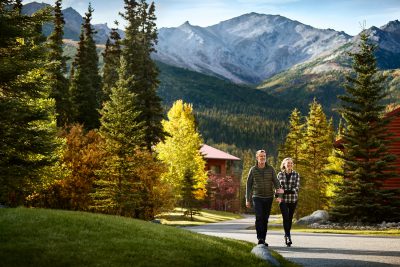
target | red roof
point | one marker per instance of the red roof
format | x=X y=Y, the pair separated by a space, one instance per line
x=212 y=153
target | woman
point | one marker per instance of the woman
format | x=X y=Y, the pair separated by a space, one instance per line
x=290 y=183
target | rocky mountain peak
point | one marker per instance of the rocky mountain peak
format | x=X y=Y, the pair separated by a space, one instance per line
x=245 y=49
x=392 y=26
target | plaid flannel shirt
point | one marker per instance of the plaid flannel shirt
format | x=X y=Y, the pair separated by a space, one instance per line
x=292 y=184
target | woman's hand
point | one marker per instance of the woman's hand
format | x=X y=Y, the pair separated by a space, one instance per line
x=279 y=191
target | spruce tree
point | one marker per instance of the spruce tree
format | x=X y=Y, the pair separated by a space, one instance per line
x=59 y=82
x=118 y=189
x=294 y=138
x=129 y=175
x=360 y=197
x=28 y=141
x=139 y=43
x=85 y=87
x=111 y=58
x=316 y=147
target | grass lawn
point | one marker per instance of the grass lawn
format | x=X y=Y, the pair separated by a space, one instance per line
x=40 y=237
x=176 y=217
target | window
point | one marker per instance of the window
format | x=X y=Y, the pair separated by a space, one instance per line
x=215 y=169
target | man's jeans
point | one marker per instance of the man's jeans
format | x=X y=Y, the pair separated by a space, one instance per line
x=262 y=207
x=287 y=210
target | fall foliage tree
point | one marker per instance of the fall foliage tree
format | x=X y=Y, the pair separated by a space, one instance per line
x=180 y=151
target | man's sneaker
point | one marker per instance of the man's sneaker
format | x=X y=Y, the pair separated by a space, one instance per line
x=261 y=242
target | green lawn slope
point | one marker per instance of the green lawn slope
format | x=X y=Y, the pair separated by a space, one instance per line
x=39 y=237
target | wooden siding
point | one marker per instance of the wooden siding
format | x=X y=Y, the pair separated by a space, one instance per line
x=394 y=148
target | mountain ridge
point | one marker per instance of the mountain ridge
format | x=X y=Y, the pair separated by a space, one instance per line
x=245 y=49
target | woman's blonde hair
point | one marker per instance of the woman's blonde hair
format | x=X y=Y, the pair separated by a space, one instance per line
x=284 y=161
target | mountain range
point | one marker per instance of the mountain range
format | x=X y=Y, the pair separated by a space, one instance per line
x=73 y=21
x=246 y=49
x=253 y=70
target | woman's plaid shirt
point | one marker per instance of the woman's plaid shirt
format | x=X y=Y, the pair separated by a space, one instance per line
x=292 y=184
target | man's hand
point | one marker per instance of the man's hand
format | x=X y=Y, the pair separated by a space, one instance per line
x=248 y=204
x=279 y=191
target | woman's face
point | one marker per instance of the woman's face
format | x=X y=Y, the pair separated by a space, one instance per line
x=289 y=165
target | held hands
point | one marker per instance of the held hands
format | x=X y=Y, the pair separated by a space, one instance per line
x=248 y=204
x=279 y=191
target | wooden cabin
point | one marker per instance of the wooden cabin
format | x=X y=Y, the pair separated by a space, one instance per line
x=224 y=180
x=394 y=148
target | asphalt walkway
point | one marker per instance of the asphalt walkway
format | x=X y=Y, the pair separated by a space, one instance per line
x=314 y=249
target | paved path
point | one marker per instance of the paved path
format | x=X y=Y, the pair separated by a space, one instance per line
x=311 y=249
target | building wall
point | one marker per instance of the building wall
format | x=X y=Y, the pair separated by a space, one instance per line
x=214 y=201
x=394 y=148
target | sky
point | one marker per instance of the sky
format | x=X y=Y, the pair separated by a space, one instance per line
x=340 y=15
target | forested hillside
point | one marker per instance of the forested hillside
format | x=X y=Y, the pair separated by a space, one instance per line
x=226 y=112
x=241 y=117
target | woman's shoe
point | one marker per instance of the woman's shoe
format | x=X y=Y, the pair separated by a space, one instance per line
x=288 y=241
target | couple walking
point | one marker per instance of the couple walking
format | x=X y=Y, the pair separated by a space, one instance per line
x=262 y=181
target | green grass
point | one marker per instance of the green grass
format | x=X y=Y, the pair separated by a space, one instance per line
x=39 y=237
x=176 y=217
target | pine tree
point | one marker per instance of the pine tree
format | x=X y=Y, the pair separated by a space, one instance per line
x=139 y=43
x=316 y=147
x=28 y=129
x=129 y=176
x=85 y=88
x=59 y=82
x=181 y=150
x=360 y=197
x=118 y=190
x=294 y=138
x=189 y=201
x=111 y=57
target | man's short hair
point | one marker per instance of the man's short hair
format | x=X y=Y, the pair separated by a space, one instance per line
x=260 y=151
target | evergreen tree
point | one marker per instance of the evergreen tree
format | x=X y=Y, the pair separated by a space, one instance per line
x=59 y=82
x=129 y=176
x=189 y=201
x=139 y=43
x=118 y=190
x=85 y=85
x=360 y=197
x=294 y=138
x=111 y=57
x=316 y=147
x=181 y=150
x=28 y=142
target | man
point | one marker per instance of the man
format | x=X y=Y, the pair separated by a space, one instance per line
x=261 y=183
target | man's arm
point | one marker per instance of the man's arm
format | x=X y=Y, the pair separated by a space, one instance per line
x=249 y=187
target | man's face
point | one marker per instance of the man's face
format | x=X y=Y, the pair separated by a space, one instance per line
x=262 y=157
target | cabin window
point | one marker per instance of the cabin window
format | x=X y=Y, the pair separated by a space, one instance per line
x=215 y=169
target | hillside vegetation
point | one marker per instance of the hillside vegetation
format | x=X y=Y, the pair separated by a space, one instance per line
x=240 y=116
x=38 y=237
